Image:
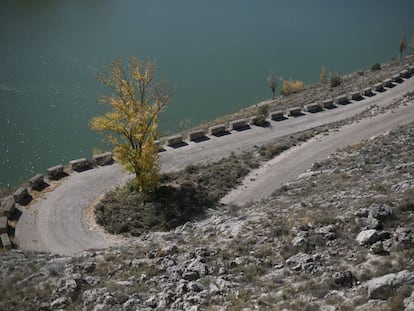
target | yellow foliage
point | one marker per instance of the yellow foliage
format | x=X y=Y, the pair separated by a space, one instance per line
x=291 y=86
x=96 y=151
x=132 y=123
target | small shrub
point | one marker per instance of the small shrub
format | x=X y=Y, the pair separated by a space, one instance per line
x=291 y=87
x=407 y=204
x=376 y=67
x=335 y=81
x=269 y=152
x=396 y=302
x=263 y=110
x=260 y=120
x=261 y=115
x=378 y=188
x=409 y=95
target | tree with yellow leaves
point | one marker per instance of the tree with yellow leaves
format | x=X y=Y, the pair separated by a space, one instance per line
x=136 y=102
x=291 y=86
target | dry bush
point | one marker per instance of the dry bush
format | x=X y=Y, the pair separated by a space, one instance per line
x=291 y=87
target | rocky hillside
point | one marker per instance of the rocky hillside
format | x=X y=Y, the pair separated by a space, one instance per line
x=338 y=238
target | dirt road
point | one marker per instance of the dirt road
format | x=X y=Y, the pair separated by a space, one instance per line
x=289 y=165
x=57 y=222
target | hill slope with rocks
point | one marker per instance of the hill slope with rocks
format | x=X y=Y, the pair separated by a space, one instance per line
x=338 y=238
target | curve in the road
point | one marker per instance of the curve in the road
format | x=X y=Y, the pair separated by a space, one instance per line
x=56 y=223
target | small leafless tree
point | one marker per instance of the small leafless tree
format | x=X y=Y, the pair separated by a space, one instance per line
x=402 y=45
x=272 y=82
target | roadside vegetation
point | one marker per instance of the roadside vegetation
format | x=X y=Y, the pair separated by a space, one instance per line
x=345 y=84
x=136 y=101
x=291 y=87
x=185 y=195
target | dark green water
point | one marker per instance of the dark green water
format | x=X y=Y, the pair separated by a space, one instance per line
x=216 y=53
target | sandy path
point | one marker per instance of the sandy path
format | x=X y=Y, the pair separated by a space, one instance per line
x=56 y=221
x=262 y=182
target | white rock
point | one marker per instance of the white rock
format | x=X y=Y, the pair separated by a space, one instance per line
x=409 y=303
x=299 y=258
x=382 y=287
x=367 y=237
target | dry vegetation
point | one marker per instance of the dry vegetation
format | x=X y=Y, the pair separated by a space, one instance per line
x=185 y=195
x=321 y=91
x=283 y=252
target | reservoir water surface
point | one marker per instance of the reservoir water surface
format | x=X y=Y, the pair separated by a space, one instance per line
x=216 y=53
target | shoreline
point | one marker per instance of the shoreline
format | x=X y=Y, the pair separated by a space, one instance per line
x=351 y=82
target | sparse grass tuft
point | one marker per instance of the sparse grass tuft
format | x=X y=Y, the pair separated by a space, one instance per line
x=376 y=67
x=336 y=81
x=407 y=204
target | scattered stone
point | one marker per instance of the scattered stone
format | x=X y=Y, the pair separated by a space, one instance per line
x=383 y=286
x=300 y=239
x=409 y=303
x=190 y=275
x=374 y=305
x=3 y=224
x=378 y=249
x=346 y=279
x=152 y=302
x=5 y=241
x=97 y=296
x=21 y=196
x=174 y=141
x=80 y=165
x=362 y=212
x=103 y=159
x=380 y=211
x=295 y=111
x=218 y=130
x=199 y=266
x=368 y=237
x=44 y=306
x=373 y=223
x=7 y=207
x=132 y=304
x=277 y=115
x=91 y=280
x=403 y=238
x=197 y=135
x=55 y=172
x=88 y=267
x=299 y=259
x=36 y=182
x=239 y=125
x=60 y=303
x=402 y=186
x=328 y=232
